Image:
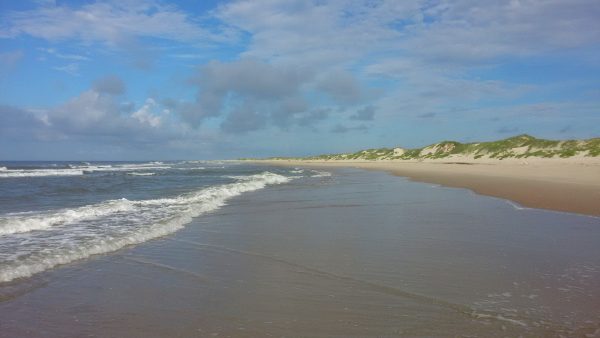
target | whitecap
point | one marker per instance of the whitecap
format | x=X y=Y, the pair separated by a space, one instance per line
x=105 y=227
x=321 y=173
x=29 y=221
x=39 y=173
x=141 y=174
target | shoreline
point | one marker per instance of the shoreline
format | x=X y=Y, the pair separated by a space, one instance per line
x=559 y=185
x=359 y=253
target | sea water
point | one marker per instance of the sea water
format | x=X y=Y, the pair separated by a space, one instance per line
x=161 y=249
x=53 y=213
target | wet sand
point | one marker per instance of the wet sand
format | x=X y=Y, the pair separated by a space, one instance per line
x=562 y=185
x=359 y=253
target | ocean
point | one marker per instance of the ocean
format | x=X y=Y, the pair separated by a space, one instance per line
x=53 y=213
x=208 y=248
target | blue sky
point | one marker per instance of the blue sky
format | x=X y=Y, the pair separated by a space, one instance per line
x=137 y=80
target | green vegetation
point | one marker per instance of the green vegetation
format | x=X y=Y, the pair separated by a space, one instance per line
x=520 y=146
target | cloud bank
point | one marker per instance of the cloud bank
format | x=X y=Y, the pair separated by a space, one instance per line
x=150 y=72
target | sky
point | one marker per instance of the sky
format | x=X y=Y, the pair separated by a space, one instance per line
x=166 y=80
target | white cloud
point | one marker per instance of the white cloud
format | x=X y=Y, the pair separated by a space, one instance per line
x=144 y=115
x=248 y=85
x=302 y=60
x=440 y=32
x=54 y=52
x=342 y=86
x=425 y=50
x=316 y=33
x=99 y=113
x=110 y=23
x=468 y=31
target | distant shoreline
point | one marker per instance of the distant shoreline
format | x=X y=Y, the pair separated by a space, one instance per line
x=568 y=185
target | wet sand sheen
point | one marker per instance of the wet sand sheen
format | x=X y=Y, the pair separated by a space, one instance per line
x=562 y=185
x=356 y=254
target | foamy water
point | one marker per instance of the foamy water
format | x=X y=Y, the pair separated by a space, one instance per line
x=5 y=173
x=34 y=241
x=82 y=169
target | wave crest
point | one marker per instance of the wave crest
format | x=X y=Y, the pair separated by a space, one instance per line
x=75 y=234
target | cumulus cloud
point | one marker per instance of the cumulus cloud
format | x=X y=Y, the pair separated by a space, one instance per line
x=301 y=64
x=310 y=118
x=426 y=48
x=342 y=87
x=365 y=114
x=95 y=114
x=20 y=124
x=251 y=77
x=145 y=116
x=90 y=112
x=288 y=110
x=243 y=119
x=248 y=92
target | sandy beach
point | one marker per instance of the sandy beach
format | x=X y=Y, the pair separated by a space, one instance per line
x=569 y=185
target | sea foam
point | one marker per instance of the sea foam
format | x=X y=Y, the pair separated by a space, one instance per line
x=77 y=170
x=78 y=233
x=6 y=173
x=27 y=221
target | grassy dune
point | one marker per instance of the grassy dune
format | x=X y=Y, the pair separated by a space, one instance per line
x=521 y=146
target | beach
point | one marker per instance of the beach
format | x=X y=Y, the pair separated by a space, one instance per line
x=332 y=252
x=344 y=169
x=569 y=185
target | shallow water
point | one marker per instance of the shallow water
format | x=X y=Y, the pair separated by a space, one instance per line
x=352 y=254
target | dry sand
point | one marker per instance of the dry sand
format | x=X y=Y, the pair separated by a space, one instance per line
x=570 y=185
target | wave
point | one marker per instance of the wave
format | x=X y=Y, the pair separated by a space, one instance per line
x=26 y=222
x=8 y=173
x=78 y=170
x=141 y=174
x=124 y=167
x=105 y=227
x=321 y=173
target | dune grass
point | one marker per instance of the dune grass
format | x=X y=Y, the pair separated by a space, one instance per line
x=520 y=146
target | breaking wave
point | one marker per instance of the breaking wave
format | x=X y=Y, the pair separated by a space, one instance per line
x=140 y=174
x=86 y=168
x=35 y=242
x=39 y=172
x=321 y=173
